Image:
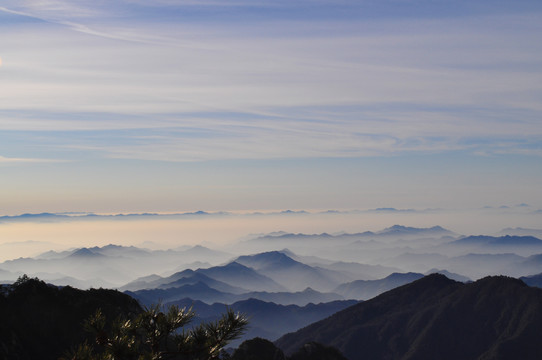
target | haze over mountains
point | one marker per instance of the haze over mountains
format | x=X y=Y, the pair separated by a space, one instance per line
x=288 y=262
x=300 y=277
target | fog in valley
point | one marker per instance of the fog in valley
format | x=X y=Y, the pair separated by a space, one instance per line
x=77 y=249
x=302 y=266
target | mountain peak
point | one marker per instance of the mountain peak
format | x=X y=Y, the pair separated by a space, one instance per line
x=85 y=253
x=405 y=230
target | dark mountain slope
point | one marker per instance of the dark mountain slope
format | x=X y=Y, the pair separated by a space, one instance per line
x=40 y=321
x=436 y=318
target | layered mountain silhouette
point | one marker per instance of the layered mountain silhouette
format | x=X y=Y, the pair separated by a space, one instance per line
x=506 y=240
x=436 y=318
x=325 y=261
x=412 y=231
x=366 y=289
x=291 y=273
x=274 y=271
x=267 y=319
x=203 y=292
x=393 y=231
x=232 y=273
x=186 y=277
x=473 y=264
x=111 y=265
x=199 y=290
x=521 y=232
x=236 y=273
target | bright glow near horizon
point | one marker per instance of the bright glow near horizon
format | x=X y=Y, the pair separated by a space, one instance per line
x=31 y=238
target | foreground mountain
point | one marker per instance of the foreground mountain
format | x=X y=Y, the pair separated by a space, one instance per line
x=436 y=318
x=41 y=321
x=262 y=349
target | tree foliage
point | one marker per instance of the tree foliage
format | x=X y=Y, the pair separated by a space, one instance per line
x=41 y=321
x=158 y=334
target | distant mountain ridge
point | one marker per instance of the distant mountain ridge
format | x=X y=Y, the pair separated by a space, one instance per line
x=325 y=261
x=83 y=216
x=267 y=319
x=367 y=289
x=205 y=293
x=518 y=231
x=406 y=230
x=118 y=264
x=47 y=216
x=533 y=280
x=236 y=273
x=391 y=231
x=506 y=240
x=291 y=273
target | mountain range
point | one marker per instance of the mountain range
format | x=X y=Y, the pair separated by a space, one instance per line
x=366 y=289
x=274 y=271
x=368 y=293
x=109 y=266
x=292 y=261
x=291 y=273
x=267 y=319
x=435 y=318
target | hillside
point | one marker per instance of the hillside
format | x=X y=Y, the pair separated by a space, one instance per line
x=436 y=318
x=41 y=321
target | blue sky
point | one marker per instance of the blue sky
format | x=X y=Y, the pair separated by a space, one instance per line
x=172 y=105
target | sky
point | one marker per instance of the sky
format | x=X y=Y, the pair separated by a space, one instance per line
x=118 y=106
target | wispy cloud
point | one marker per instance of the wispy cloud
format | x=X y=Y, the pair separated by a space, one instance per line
x=8 y=160
x=188 y=89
